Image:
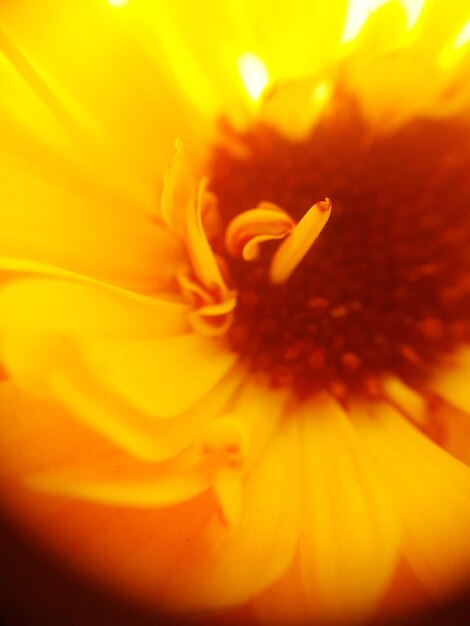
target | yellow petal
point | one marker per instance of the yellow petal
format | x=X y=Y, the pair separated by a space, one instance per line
x=349 y=541
x=411 y=82
x=117 y=380
x=452 y=381
x=413 y=87
x=119 y=113
x=440 y=22
x=54 y=371
x=31 y=129
x=212 y=82
x=260 y=409
x=179 y=192
x=229 y=493
x=105 y=426
x=226 y=565
x=58 y=219
x=41 y=298
x=295 y=42
x=453 y=430
x=217 y=460
x=293 y=107
x=178 y=433
x=164 y=484
x=409 y=401
x=162 y=377
x=431 y=491
x=415 y=84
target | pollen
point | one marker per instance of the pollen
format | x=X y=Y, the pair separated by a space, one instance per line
x=385 y=288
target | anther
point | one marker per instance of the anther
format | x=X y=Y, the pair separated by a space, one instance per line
x=293 y=249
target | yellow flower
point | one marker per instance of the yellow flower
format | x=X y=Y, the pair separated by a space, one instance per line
x=241 y=383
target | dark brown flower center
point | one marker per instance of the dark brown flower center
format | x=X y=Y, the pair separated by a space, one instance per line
x=386 y=287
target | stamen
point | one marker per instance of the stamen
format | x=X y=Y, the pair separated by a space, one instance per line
x=384 y=291
x=293 y=249
x=225 y=446
x=213 y=312
x=203 y=259
x=190 y=211
x=229 y=493
x=186 y=208
x=193 y=291
x=213 y=320
x=249 y=229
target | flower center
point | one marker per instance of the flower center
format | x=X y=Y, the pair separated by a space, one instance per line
x=385 y=288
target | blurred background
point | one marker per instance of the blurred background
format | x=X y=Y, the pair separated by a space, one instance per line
x=36 y=591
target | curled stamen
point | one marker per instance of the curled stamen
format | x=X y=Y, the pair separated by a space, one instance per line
x=249 y=229
x=193 y=291
x=293 y=249
x=190 y=211
x=213 y=311
x=213 y=320
x=202 y=256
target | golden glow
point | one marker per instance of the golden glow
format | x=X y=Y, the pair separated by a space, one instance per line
x=321 y=94
x=360 y=10
x=413 y=9
x=452 y=53
x=122 y=389
x=254 y=74
x=463 y=37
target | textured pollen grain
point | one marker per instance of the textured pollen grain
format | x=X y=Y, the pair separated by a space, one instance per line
x=386 y=287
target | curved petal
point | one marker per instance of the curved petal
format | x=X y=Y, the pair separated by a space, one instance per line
x=451 y=382
x=161 y=377
x=70 y=223
x=161 y=485
x=453 y=427
x=226 y=565
x=56 y=369
x=63 y=379
x=431 y=491
x=261 y=409
x=58 y=440
x=64 y=458
x=31 y=129
x=291 y=43
x=40 y=298
x=349 y=542
x=94 y=62
x=415 y=83
x=440 y=21
x=411 y=81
